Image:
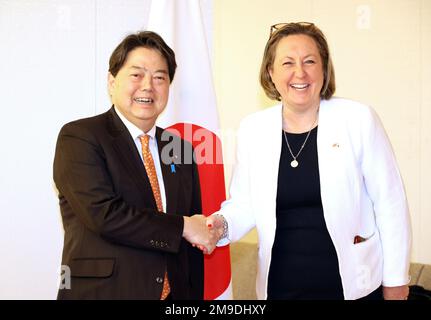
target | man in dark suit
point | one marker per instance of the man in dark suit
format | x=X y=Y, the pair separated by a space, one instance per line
x=129 y=208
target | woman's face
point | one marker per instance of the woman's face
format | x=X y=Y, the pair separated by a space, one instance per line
x=297 y=72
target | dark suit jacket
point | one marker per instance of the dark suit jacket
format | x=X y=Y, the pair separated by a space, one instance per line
x=116 y=243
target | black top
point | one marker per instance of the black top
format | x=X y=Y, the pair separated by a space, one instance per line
x=304 y=262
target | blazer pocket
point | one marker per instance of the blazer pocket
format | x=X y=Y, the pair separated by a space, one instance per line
x=358 y=239
x=92 y=267
x=369 y=249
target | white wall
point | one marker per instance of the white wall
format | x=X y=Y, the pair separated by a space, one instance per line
x=382 y=55
x=53 y=65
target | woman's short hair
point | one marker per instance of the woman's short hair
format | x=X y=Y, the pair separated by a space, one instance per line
x=278 y=32
x=146 y=39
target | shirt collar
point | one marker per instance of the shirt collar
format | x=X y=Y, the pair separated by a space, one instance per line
x=135 y=132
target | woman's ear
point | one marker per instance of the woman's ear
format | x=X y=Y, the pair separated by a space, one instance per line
x=270 y=72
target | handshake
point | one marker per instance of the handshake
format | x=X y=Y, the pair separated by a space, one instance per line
x=203 y=232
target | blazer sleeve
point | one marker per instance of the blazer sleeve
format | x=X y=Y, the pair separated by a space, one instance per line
x=386 y=190
x=196 y=196
x=86 y=190
x=196 y=260
x=237 y=210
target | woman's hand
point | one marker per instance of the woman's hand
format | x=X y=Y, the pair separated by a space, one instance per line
x=396 y=293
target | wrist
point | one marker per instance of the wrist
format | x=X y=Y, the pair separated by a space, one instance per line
x=185 y=226
x=225 y=227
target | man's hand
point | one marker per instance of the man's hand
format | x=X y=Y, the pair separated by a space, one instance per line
x=396 y=293
x=199 y=234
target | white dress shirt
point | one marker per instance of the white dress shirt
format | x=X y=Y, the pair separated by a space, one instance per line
x=136 y=133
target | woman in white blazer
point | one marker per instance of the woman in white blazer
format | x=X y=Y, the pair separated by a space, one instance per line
x=317 y=177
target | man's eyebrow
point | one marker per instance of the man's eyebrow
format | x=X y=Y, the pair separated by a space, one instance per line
x=137 y=67
x=145 y=69
x=161 y=71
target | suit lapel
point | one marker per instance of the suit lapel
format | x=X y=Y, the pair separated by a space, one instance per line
x=171 y=174
x=125 y=147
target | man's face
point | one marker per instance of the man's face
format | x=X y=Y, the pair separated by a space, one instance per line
x=140 y=89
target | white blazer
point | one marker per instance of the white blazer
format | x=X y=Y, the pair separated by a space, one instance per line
x=361 y=189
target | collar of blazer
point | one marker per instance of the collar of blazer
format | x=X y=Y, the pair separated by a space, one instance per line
x=124 y=145
x=170 y=168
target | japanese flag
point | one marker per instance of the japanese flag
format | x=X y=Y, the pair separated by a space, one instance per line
x=192 y=111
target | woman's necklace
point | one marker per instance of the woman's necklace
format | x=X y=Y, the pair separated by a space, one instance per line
x=294 y=163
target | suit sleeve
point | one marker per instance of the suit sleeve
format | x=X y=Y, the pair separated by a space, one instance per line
x=195 y=255
x=86 y=190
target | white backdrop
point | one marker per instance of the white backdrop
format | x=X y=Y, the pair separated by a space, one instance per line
x=53 y=65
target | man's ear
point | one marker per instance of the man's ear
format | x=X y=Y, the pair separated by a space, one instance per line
x=111 y=83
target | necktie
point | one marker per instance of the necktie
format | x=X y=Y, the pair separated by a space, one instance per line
x=152 y=176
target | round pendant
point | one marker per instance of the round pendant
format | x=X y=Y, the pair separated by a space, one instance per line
x=294 y=164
